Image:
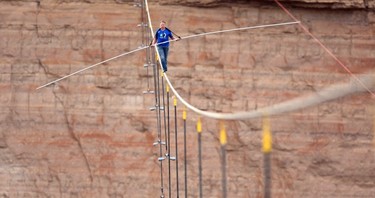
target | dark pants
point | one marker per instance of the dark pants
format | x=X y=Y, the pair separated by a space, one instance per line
x=163 y=52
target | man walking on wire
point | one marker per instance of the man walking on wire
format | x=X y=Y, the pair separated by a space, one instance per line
x=162 y=36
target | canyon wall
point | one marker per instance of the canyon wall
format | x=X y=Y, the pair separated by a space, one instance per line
x=332 y=4
x=92 y=135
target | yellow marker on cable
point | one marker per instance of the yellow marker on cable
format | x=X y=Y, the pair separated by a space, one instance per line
x=267 y=137
x=161 y=73
x=184 y=114
x=167 y=88
x=223 y=134
x=175 y=101
x=199 y=125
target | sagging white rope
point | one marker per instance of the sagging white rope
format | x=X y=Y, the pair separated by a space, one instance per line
x=182 y=38
x=324 y=95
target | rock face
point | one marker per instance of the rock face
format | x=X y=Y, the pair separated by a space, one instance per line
x=335 y=4
x=91 y=135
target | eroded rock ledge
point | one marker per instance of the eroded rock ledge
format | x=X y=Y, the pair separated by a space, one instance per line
x=332 y=4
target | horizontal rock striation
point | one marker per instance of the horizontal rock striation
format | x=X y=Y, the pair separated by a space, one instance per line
x=333 y=4
x=91 y=135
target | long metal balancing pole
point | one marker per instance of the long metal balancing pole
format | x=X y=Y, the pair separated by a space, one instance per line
x=182 y=38
x=91 y=66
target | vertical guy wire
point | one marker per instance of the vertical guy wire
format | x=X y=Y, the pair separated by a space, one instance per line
x=141 y=25
x=148 y=62
x=151 y=61
x=175 y=138
x=158 y=117
x=157 y=91
x=159 y=135
x=267 y=148
x=185 y=157
x=165 y=120
x=169 y=145
x=223 y=142
x=199 y=130
x=160 y=145
x=157 y=86
x=145 y=40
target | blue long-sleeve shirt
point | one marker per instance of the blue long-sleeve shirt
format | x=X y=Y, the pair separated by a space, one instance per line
x=163 y=36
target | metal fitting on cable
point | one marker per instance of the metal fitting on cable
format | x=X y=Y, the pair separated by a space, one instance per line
x=137 y=4
x=148 y=92
x=142 y=25
x=170 y=157
x=148 y=65
x=158 y=142
x=155 y=107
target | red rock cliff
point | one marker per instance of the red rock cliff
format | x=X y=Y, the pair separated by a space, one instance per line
x=91 y=135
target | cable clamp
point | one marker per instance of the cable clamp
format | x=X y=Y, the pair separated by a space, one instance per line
x=148 y=92
x=170 y=157
x=158 y=142
x=155 y=107
x=142 y=25
x=137 y=4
